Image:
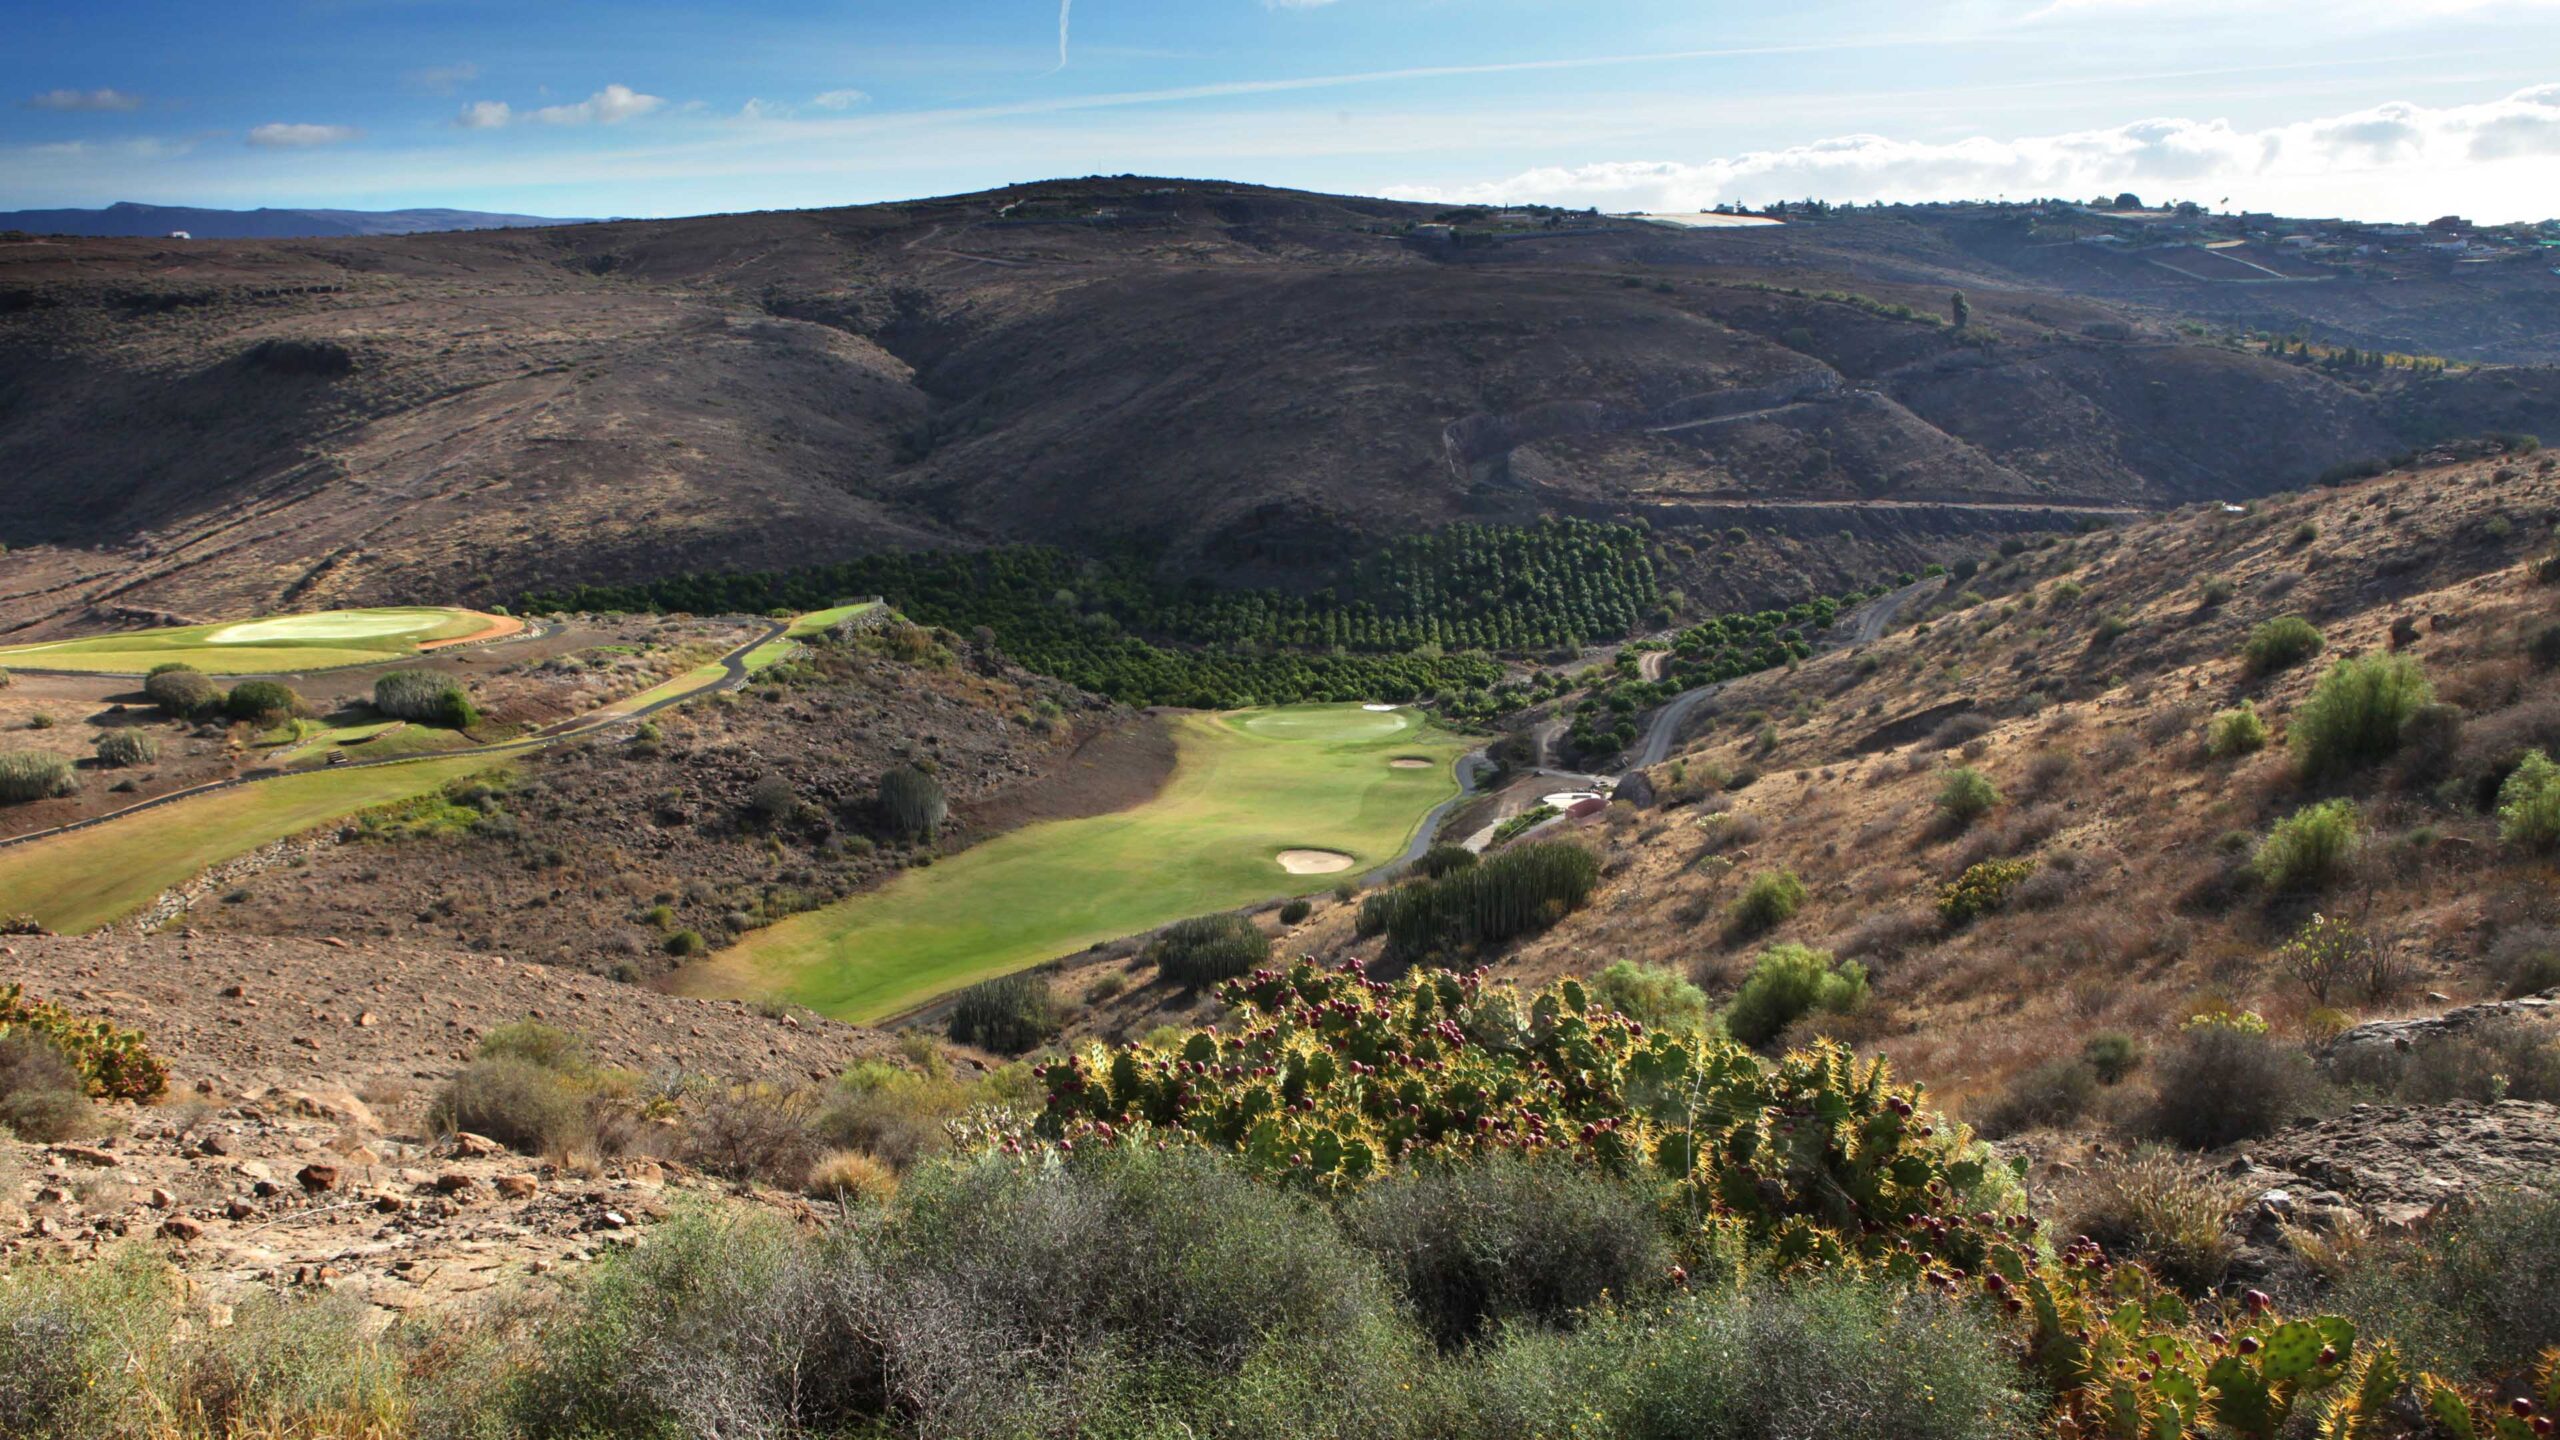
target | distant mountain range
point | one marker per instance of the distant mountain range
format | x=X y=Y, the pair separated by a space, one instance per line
x=127 y=218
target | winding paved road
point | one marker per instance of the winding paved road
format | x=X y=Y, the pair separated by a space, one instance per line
x=733 y=673
x=1865 y=625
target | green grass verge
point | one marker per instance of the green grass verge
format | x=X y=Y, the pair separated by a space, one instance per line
x=1246 y=786
x=77 y=882
x=818 y=622
x=275 y=645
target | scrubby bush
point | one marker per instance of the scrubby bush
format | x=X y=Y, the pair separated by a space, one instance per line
x=2478 y=1294
x=121 y=749
x=2281 y=643
x=1478 y=1246
x=2309 y=849
x=2055 y=1093
x=426 y=696
x=2221 y=1083
x=2112 y=1055
x=2503 y=1059
x=42 y=1099
x=2525 y=960
x=911 y=803
x=2544 y=648
x=851 y=1177
x=1652 y=995
x=753 y=1133
x=2529 y=805
x=2164 y=1210
x=1787 y=983
x=535 y=1043
x=35 y=775
x=684 y=944
x=2236 y=732
x=262 y=700
x=2355 y=715
x=1201 y=951
x=1296 y=911
x=182 y=691
x=519 y=1104
x=771 y=800
x=1828 y=1359
x=1981 y=889
x=1770 y=899
x=1009 y=1014
x=1964 y=796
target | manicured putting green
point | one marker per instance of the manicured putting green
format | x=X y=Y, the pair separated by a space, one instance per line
x=1246 y=788
x=818 y=622
x=274 y=644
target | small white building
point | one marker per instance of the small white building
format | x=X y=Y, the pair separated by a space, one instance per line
x=180 y=235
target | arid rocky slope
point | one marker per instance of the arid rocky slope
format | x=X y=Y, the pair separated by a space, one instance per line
x=1252 y=382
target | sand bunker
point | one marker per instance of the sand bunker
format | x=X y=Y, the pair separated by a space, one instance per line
x=1410 y=762
x=1314 y=862
x=1373 y=705
x=1567 y=799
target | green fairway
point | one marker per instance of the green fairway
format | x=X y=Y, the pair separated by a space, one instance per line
x=1245 y=787
x=818 y=622
x=77 y=882
x=273 y=645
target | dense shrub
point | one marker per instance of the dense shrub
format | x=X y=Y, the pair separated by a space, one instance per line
x=1787 y=983
x=2164 y=1210
x=1507 y=1240
x=2309 y=849
x=1520 y=890
x=911 y=803
x=42 y=1099
x=2221 y=1083
x=2057 y=1092
x=2525 y=960
x=2504 y=1059
x=1201 y=951
x=1828 y=1360
x=1770 y=900
x=2281 y=643
x=35 y=775
x=2529 y=805
x=2544 y=647
x=2236 y=732
x=1652 y=995
x=1981 y=889
x=771 y=800
x=120 y=749
x=262 y=700
x=2112 y=1055
x=1964 y=796
x=182 y=691
x=426 y=696
x=753 y=1133
x=1296 y=911
x=1444 y=858
x=2355 y=715
x=1124 y=1292
x=519 y=1104
x=2478 y=1294
x=1009 y=1014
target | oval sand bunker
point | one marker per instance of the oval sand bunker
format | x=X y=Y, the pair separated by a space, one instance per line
x=1409 y=762
x=1314 y=862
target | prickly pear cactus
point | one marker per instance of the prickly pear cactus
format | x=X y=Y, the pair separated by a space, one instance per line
x=114 y=1064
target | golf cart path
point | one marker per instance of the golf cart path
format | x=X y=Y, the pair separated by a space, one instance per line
x=733 y=674
x=1863 y=626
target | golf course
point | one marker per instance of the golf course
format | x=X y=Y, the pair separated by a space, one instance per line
x=1248 y=787
x=279 y=644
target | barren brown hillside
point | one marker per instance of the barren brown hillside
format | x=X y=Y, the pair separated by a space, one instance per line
x=1251 y=382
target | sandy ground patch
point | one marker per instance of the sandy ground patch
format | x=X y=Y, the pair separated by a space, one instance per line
x=1410 y=762
x=1567 y=799
x=1314 y=862
x=498 y=628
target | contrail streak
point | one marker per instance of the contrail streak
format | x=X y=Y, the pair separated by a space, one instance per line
x=1064 y=6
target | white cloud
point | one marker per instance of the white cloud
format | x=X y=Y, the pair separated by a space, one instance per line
x=762 y=110
x=442 y=79
x=840 y=99
x=293 y=137
x=609 y=106
x=2374 y=152
x=100 y=99
x=485 y=115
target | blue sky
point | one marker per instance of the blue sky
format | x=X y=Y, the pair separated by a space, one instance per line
x=2382 y=108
